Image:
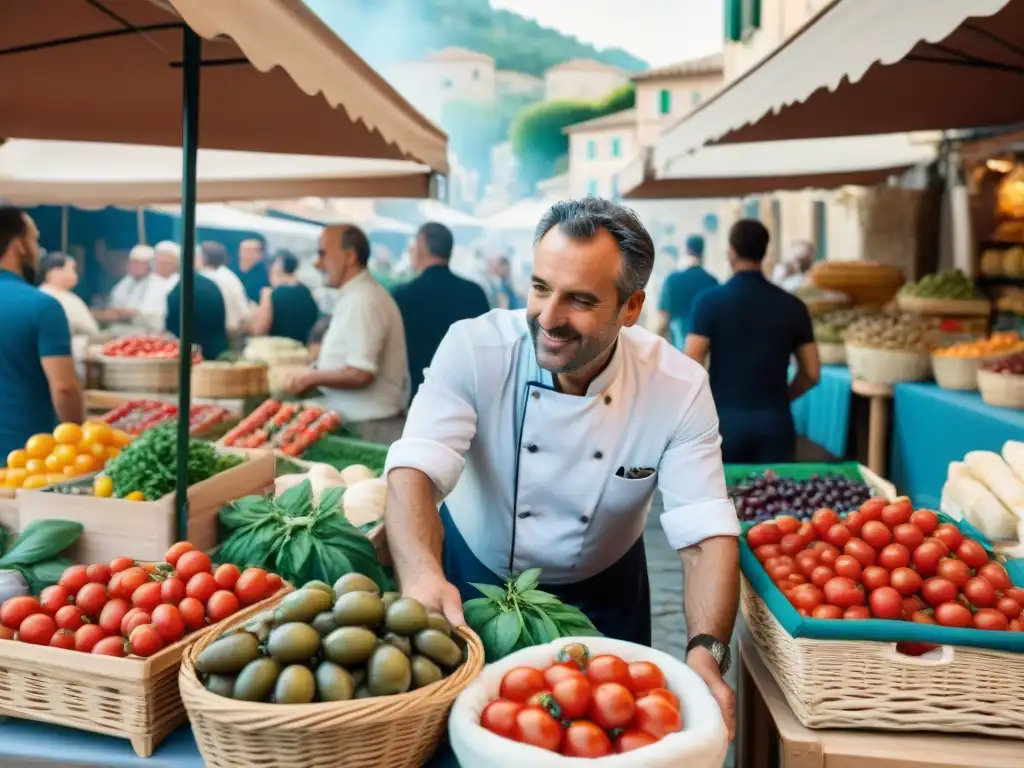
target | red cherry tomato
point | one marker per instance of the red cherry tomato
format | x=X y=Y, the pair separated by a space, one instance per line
x=136 y=617
x=176 y=551
x=872 y=509
x=109 y=646
x=227 y=575
x=949 y=535
x=926 y=520
x=53 y=598
x=843 y=593
x=926 y=557
x=627 y=741
x=857 y=612
x=193 y=612
x=608 y=669
x=37 y=629
x=827 y=612
x=113 y=614
x=937 y=591
x=807 y=596
x=201 y=586
x=791 y=544
x=645 y=676
x=145 y=641
x=766 y=552
x=1009 y=607
x=823 y=519
x=874 y=577
x=91 y=598
x=656 y=717
x=520 y=683
x=787 y=524
x=861 y=551
x=848 y=567
x=875 y=534
x=253 y=585
x=573 y=696
x=956 y=571
x=909 y=535
x=148 y=596
x=98 y=573
x=63 y=638
x=820 y=575
x=500 y=717
x=585 y=739
x=222 y=603
x=86 y=637
x=980 y=592
x=168 y=621
x=995 y=575
x=854 y=522
x=829 y=554
x=69 y=617
x=972 y=553
x=535 y=726
x=989 y=618
x=612 y=705
x=920 y=617
x=664 y=693
x=953 y=615
x=74 y=578
x=885 y=603
x=838 y=535
x=894 y=556
x=560 y=671
x=898 y=512
x=192 y=562
x=807 y=561
x=764 y=533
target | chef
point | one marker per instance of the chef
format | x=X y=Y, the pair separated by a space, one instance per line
x=546 y=433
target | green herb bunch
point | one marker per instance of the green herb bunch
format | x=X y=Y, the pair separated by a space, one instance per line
x=300 y=541
x=35 y=553
x=149 y=463
x=519 y=615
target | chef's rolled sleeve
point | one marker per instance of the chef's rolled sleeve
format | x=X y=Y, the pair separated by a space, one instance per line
x=442 y=418
x=692 y=478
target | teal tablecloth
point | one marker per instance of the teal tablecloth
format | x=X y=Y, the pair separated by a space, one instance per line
x=932 y=427
x=823 y=414
x=29 y=742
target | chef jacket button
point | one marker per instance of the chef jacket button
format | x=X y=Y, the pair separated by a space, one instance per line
x=584 y=519
x=607 y=399
x=531 y=448
x=523 y=515
x=598 y=455
x=535 y=395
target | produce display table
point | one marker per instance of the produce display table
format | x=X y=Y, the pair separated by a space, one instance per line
x=101 y=400
x=878 y=396
x=823 y=414
x=24 y=743
x=933 y=426
x=768 y=734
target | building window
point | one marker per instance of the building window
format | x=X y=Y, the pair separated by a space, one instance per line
x=615 y=187
x=742 y=19
x=664 y=102
x=591 y=150
x=752 y=209
x=820 y=230
x=695 y=98
x=592 y=187
x=616 y=147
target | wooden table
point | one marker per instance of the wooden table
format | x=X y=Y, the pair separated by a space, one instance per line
x=879 y=397
x=770 y=736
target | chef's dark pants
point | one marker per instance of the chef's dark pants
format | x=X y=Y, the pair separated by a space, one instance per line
x=757 y=436
x=617 y=600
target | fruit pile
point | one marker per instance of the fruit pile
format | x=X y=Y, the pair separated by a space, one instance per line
x=290 y=427
x=136 y=416
x=150 y=347
x=765 y=495
x=71 y=451
x=829 y=328
x=947 y=285
x=889 y=331
x=127 y=608
x=887 y=561
x=325 y=643
x=998 y=343
x=1008 y=366
x=584 y=707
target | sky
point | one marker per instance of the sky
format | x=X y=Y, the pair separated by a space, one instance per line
x=638 y=26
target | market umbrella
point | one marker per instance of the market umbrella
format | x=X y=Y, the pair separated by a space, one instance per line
x=129 y=71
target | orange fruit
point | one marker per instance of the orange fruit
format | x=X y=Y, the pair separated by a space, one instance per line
x=121 y=438
x=34 y=482
x=85 y=463
x=99 y=450
x=103 y=487
x=3 y=475
x=65 y=454
x=97 y=433
x=68 y=434
x=15 y=477
x=84 y=446
x=16 y=459
x=113 y=452
x=54 y=462
x=40 y=446
x=135 y=496
x=70 y=471
x=55 y=477
x=35 y=466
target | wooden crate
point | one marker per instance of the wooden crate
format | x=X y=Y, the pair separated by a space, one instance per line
x=144 y=530
x=128 y=698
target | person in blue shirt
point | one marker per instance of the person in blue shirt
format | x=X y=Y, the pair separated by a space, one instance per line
x=252 y=268
x=288 y=309
x=752 y=329
x=209 y=316
x=39 y=385
x=679 y=291
x=435 y=299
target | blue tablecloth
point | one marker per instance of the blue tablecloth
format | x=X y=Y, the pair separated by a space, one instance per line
x=933 y=426
x=823 y=414
x=40 y=743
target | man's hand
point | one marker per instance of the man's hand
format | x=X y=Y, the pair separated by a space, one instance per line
x=703 y=663
x=298 y=379
x=437 y=594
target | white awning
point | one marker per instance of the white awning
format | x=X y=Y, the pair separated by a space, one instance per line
x=736 y=170
x=89 y=174
x=865 y=67
x=299 y=236
x=521 y=216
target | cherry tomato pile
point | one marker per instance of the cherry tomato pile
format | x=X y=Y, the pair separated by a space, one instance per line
x=126 y=608
x=136 y=416
x=584 y=707
x=887 y=561
x=153 y=347
x=290 y=427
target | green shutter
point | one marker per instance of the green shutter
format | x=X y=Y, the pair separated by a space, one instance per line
x=665 y=102
x=591 y=149
x=616 y=147
x=751 y=16
x=733 y=20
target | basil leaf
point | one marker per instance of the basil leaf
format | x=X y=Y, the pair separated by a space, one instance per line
x=539 y=597
x=548 y=629
x=500 y=635
x=479 y=611
x=251 y=509
x=300 y=549
x=491 y=591
x=41 y=540
x=528 y=579
x=297 y=501
x=330 y=500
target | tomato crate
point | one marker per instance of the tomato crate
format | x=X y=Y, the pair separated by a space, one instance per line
x=284 y=427
x=136 y=416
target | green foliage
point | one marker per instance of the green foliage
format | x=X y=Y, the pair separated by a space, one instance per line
x=475 y=127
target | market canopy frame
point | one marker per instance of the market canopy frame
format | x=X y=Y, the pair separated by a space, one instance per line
x=864 y=67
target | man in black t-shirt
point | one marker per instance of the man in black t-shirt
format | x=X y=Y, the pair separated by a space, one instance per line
x=752 y=329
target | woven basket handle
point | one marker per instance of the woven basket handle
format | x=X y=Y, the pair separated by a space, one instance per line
x=937 y=657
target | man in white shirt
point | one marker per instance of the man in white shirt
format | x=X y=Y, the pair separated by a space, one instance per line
x=137 y=297
x=362 y=366
x=214 y=257
x=58 y=275
x=547 y=431
x=166 y=265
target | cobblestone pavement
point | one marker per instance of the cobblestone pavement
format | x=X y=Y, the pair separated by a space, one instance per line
x=666 y=575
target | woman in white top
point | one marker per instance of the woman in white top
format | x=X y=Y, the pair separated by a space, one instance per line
x=58 y=274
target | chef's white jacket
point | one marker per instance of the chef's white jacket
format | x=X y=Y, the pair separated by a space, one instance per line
x=485 y=403
x=145 y=296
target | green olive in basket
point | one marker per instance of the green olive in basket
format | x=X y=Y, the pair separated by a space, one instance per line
x=323 y=587
x=438 y=647
x=359 y=609
x=388 y=671
x=324 y=623
x=333 y=683
x=256 y=682
x=362 y=692
x=293 y=642
x=402 y=643
x=295 y=685
x=222 y=685
x=302 y=605
x=349 y=646
x=424 y=672
x=389 y=598
x=355 y=582
x=439 y=622
x=406 y=617
x=228 y=654
x=358 y=676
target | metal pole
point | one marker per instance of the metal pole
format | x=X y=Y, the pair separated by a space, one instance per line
x=189 y=146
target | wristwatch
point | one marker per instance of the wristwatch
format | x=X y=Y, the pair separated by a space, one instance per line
x=718 y=650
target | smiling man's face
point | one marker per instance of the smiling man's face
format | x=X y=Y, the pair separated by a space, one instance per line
x=573 y=310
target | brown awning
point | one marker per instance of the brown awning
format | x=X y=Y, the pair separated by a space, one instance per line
x=871 y=67
x=110 y=71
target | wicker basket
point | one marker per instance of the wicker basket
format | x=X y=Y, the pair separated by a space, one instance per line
x=229 y=381
x=945 y=307
x=1004 y=390
x=385 y=732
x=831 y=353
x=139 y=374
x=129 y=698
x=863 y=685
x=959 y=373
x=887 y=366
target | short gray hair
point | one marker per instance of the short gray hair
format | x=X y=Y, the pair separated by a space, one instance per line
x=584 y=218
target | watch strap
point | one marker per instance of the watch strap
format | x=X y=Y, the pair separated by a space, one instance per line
x=718 y=650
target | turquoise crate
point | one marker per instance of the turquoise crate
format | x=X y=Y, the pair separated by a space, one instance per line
x=737 y=473
x=879 y=630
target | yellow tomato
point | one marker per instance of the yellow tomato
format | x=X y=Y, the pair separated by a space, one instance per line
x=54 y=462
x=103 y=487
x=3 y=475
x=55 y=477
x=35 y=466
x=85 y=463
x=97 y=433
x=121 y=438
x=65 y=454
x=68 y=434
x=99 y=451
x=40 y=446
x=113 y=452
x=70 y=471
x=15 y=477
x=16 y=459
x=135 y=496
x=34 y=482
